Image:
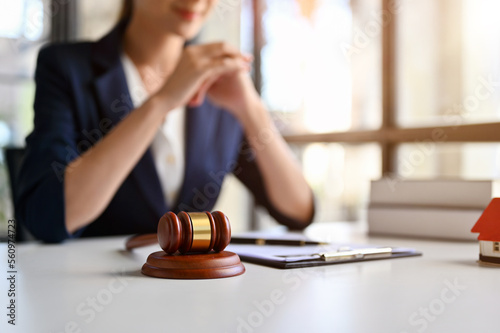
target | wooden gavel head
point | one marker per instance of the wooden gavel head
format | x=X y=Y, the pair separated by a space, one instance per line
x=193 y=232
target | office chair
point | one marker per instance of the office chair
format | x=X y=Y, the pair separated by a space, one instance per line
x=14 y=157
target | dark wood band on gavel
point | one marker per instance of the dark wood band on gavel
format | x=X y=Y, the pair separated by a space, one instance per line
x=193 y=232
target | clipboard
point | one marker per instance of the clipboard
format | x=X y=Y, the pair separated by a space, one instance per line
x=286 y=257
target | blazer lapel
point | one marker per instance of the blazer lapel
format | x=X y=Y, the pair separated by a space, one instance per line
x=198 y=130
x=113 y=95
x=147 y=181
x=115 y=103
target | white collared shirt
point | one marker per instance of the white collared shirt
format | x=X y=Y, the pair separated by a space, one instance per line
x=168 y=144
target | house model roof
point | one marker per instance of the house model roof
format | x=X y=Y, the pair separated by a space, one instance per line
x=488 y=224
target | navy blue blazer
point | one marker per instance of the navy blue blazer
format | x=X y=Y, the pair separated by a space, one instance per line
x=81 y=94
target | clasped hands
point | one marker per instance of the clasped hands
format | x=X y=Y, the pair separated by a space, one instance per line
x=216 y=70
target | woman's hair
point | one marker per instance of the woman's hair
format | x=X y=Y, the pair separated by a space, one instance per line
x=126 y=10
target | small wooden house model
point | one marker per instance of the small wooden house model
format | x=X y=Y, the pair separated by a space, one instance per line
x=488 y=227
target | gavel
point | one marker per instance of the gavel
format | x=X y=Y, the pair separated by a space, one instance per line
x=193 y=232
x=188 y=233
x=193 y=245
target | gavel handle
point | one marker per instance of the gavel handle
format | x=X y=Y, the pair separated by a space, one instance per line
x=140 y=241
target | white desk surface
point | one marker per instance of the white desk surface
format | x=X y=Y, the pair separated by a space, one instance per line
x=58 y=283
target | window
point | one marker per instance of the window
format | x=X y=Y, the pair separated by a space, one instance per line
x=445 y=67
x=363 y=88
x=24 y=27
x=496 y=247
x=307 y=79
x=313 y=60
x=22 y=19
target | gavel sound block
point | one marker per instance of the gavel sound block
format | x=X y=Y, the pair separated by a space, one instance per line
x=193 y=245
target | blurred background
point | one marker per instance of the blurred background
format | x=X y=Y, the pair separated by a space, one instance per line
x=350 y=85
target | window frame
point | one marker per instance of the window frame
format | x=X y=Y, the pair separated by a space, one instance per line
x=389 y=135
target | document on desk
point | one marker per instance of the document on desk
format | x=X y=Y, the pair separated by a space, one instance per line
x=316 y=255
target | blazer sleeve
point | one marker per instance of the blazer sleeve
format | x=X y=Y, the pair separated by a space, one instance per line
x=50 y=148
x=249 y=174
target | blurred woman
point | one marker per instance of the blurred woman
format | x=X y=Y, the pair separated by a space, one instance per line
x=138 y=123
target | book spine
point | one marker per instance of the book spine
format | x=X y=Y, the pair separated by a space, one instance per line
x=466 y=194
x=423 y=222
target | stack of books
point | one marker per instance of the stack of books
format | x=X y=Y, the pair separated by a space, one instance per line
x=445 y=209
